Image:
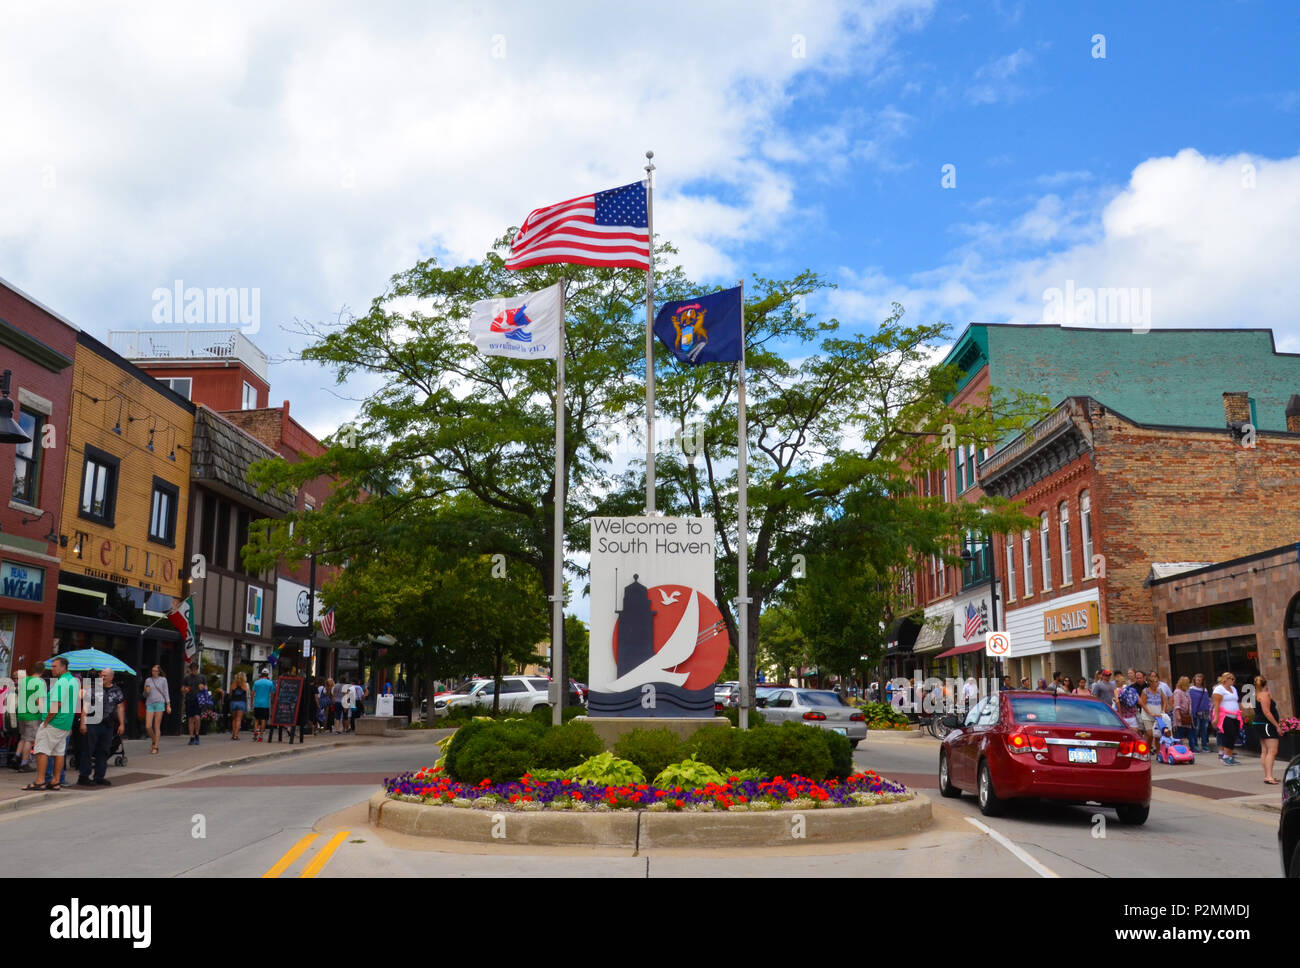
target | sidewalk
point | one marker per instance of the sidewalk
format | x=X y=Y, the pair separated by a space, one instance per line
x=176 y=757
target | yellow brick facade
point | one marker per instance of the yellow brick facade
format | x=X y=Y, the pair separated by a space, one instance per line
x=107 y=394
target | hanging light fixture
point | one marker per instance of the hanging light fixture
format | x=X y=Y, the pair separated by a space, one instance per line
x=10 y=432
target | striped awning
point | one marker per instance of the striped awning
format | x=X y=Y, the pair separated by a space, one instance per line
x=932 y=639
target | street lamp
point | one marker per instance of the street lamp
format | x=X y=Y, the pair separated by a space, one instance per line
x=10 y=432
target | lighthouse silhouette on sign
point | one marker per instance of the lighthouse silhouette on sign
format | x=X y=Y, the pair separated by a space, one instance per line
x=636 y=627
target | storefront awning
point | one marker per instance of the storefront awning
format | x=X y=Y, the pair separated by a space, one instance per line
x=932 y=639
x=961 y=650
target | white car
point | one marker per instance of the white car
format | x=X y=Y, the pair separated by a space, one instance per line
x=521 y=694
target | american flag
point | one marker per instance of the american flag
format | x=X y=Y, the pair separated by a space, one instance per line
x=610 y=229
x=327 y=623
x=973 y=621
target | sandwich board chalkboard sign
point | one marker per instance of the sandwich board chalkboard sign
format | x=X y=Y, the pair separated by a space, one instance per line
x=288 y=697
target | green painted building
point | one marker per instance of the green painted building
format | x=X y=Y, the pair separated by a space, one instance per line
x=1169 y=377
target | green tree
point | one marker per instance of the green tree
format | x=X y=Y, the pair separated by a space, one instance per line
x=781 y=641
x=577 y=644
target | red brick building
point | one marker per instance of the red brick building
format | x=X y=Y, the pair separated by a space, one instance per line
x=37 y=346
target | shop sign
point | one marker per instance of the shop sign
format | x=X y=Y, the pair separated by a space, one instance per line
x=1071 y=622
x=24 y=582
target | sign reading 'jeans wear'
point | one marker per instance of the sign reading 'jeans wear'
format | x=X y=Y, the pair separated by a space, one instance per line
x=658 y=640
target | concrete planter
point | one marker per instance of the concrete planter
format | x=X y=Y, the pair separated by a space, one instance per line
x=636 y=829
x=905 y=733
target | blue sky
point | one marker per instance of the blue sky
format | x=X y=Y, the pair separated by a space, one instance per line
x=312 y=151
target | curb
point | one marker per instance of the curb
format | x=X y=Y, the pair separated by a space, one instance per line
x=895 y=733
x=637 y=829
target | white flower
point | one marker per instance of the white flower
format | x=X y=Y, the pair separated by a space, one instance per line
x=462 y=802
x=659 y=806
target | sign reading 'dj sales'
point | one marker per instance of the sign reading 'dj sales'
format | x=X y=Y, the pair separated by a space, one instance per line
x=1071 y=621
x=658 y=640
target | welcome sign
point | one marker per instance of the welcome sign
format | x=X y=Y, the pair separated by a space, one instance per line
x=658 y=640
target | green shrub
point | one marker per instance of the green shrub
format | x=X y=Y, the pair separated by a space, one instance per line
x=651 y=749
x=568 y=745
x=498 y=751
x=841 y=753
x=787 y=749
x=606 y=769
x=689 y=774
x=542 y=714
x=458 y=740
x=755 y=717
x=717 y=747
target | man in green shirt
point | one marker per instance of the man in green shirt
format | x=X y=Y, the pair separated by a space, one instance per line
x=31 y=708
x=52 y=734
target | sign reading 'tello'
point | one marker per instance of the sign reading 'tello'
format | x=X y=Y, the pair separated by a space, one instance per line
x=997 y=644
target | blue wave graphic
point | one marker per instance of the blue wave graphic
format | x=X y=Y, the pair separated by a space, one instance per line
x=669 y=701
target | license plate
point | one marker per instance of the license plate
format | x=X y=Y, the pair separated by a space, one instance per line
x=1078 y=755
x=842 y=730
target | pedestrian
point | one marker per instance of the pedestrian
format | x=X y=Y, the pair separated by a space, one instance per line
x=1081 y=687
x=1166 y=693
x=1151 y=708
x=337 y=693
x=1024 y=682
x=190 y=692
x=1227 y=717
x=98 y=736
x=31 y=710
x=358 y=707
x=1202 y=710
x=238 y=704
x=1127 y=700
x=328 y=699
x=1104 y=688
x=263 y=690
x=306 y=712
x=157 y=702
x=52 y=734
x=970 y=693
x=1057 y=685
x=1267 y=726
x=1180 y=710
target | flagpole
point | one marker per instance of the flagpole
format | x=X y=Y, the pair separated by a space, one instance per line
x=742 y=530
x=649 y=339
x=557 y=595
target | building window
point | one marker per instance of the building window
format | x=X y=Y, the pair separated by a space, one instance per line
x=222 y=558
x=961 y=469
x=27 y=459
x=1011 y=569
x=250 y=397
x=1045 y=540
x=99 y=486
x=972 y=476
x=1085 y=522
x=181 y=385
x=1067 y=568
x=1027 y=554
x=943 y=484
x=162 y=515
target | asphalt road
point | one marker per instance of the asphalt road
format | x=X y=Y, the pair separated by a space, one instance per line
x=305 y=815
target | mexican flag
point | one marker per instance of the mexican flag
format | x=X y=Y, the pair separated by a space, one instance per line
x=182 y=616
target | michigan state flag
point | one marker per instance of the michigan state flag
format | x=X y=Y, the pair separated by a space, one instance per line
x=703 y=330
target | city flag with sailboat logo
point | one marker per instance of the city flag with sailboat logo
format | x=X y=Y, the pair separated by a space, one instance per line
x=703 y=330
x=524 y=327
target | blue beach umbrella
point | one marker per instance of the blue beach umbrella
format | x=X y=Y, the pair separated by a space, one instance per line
x=86 y=660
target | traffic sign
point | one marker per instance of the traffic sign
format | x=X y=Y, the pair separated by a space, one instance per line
x=998 y=644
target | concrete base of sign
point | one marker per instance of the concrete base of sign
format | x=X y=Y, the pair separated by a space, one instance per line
x=640 y=829
x=381 y=726
x=612 y=729
x=891 y=733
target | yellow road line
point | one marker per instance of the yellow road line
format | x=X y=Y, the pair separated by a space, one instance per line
x=294 y=853
x=321 y=859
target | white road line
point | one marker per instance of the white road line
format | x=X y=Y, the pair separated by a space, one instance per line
x=1022 y=855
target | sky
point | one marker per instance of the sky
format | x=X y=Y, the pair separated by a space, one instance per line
x=965 y=159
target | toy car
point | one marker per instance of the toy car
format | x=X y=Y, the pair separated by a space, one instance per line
x=1172 y=753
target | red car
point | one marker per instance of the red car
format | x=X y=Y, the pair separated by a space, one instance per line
x=1015 y=745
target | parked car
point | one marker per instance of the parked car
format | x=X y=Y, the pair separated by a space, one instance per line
x=1035 y=745
x=518 y=693
x=1288 y=825
x=726 y=693
x=814 y=707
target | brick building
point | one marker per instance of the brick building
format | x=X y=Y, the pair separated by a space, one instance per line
x=1166 y=379
x=37 y=347
x=1115 y=496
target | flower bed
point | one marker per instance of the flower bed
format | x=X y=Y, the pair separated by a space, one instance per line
x=433 y=786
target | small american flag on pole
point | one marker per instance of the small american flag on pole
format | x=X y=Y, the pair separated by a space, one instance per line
x=327 y=623
x=973 y=621
x=609 y=229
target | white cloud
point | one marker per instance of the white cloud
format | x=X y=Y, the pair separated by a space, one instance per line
x=993 y=81
x=1212 y=250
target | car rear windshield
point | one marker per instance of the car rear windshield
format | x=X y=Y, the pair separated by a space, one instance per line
x=541 y=685
x=1076 y=712
x=820 y=699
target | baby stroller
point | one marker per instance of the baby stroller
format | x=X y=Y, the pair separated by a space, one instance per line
x=116 y=753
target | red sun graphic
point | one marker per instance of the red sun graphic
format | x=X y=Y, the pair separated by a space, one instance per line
x=668 y=603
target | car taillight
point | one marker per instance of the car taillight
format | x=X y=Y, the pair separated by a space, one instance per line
x=857 y=718
x=717 y=707
x=1136 y=748
x=1022 y=742
x=814 y=715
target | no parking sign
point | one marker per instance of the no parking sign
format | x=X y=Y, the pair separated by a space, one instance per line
x=997 y=645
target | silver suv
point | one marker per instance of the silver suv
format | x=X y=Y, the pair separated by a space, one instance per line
x=521 y=694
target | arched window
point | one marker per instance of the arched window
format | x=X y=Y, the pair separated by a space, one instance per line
x=1044 y=539
x=1067 y=567
x=1085 y=521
